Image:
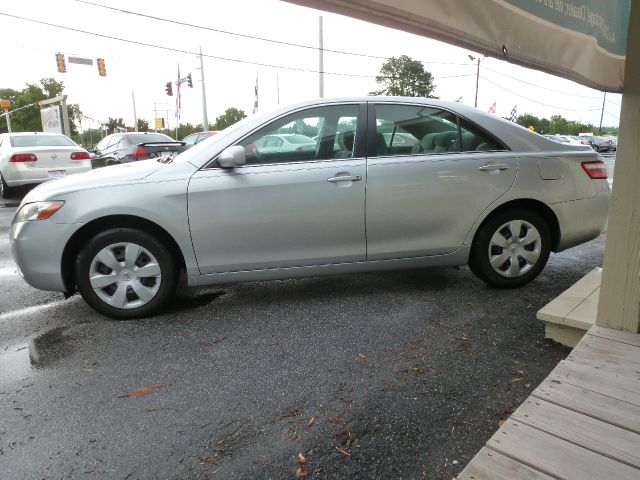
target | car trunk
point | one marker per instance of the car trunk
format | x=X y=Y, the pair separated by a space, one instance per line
x=51 y=157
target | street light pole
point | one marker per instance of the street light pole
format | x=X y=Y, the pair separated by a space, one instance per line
x=320 y=60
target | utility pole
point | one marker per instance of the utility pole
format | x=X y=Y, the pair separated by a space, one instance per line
x=321 y=61
x=602 y=111
x=472 y=58
x=8 y=121
x=135 y=116
x=205 y=119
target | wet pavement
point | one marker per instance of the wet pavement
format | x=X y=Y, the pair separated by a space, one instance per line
x=383 y=375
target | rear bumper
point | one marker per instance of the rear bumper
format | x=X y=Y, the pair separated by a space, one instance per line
x=37 y=249
x=582 y=220
x=18 y=174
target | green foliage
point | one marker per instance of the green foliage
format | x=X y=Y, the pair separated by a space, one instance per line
x=113 y=123
x=557 y=124
x=28 y=120
x=406 y=77
x=143 y=125
x=229 y=117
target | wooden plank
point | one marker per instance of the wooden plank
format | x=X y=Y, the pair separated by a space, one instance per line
x=617 y=335
x=610 y=350
x=556 y=457
x=491 y=465
x=612 y=384
x=590 y=433
x=605 y=363
x=594 y=404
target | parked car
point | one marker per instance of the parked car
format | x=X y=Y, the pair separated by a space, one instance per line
x=614 y=141
x=128 y=147
x=568 y=140
x=194 y=138
x=599 y=144
x=29 y=158
x=477 y=190
x=285 y=142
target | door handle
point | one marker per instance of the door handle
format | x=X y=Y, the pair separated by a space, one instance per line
x=493 y=166
x=345 y=178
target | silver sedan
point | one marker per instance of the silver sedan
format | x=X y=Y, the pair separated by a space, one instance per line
x=474 y=189
x=29 y=158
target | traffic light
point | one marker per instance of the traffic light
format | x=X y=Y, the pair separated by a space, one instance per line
x=189 y=81
x=102 y=71
x=62 y=67
x=169 y=89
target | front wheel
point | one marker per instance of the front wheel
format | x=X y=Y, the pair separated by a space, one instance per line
x=511 y=248
x=125 y=273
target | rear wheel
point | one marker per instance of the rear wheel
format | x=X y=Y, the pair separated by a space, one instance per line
x=511 y=248
x=125 y=273
x=5 y=190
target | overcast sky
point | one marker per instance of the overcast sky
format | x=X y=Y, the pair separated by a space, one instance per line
x=28 y=54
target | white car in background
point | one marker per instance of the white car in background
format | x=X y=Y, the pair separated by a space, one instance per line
x=568 y=140
x=29 y=158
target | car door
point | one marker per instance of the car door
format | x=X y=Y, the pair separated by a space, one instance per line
x=284 y=208
x=424 y=202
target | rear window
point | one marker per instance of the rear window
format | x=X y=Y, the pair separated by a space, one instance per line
x=41 y=141
x=136 y=138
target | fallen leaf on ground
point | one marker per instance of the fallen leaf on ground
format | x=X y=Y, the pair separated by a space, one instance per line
x=88 y=370
x=291 y=413
x=311 y=421
x=301 y=472
x=418 y=370
x=362 y=356
x=500 y=422
x=208 y=459
x=146 y=390
x=302 y=458
x=343 y=451
x=515 y=379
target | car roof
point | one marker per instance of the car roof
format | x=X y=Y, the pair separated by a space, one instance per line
x=25 y=134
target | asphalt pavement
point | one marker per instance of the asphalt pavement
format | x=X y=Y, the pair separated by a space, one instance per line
x=401 y=375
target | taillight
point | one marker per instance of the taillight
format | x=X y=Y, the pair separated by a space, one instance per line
x=23 y=157
x=596 y=170
x=80 y=156
x=140 y=153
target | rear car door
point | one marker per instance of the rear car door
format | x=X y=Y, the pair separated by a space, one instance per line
x=424 y=202
x=285 y=208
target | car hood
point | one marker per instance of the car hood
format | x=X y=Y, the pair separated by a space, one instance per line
x=101 y=177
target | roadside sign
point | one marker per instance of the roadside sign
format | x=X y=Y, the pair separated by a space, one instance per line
x=80 y=60
x=159 y=123
x=6 y=104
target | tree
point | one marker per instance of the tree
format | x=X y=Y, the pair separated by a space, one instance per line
x=113 y=123
x=28 y=120
x=406 y=77
x=229 y=117
x=143 y=125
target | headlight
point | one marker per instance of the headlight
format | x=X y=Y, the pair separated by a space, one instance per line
x=37 y=211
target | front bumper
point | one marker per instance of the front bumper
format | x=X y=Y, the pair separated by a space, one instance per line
x=37 y=248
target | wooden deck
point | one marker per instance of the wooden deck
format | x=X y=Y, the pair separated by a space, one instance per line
x=581 y=423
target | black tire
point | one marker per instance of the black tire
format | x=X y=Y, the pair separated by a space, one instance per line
x=156 y=250
x=5 y=190
x=480 y=256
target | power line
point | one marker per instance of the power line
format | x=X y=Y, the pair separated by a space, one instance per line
x=252 y=37
x=178 y=50
x=537 y=101
x=538 y=86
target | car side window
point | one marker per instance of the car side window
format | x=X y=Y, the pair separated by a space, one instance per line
x=415 y=130
x=321 y=133
x=474 y=140
x=113 y=142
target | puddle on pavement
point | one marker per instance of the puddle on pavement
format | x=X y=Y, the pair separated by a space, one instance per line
x=19 y=361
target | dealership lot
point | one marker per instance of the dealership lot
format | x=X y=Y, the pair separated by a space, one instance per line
x=401 y=374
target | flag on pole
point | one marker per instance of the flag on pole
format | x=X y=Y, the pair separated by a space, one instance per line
x=514 y=113
x=492 y=108
x=255 y=102
x=178 y=100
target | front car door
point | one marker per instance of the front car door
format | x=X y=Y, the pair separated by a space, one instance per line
x=424 y=201
x=285 y=208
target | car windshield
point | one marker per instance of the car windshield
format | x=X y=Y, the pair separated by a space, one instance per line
x=136 y=138
x=41 y=141
x=297 y=139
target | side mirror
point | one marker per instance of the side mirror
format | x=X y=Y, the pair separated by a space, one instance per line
x=232 y=157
